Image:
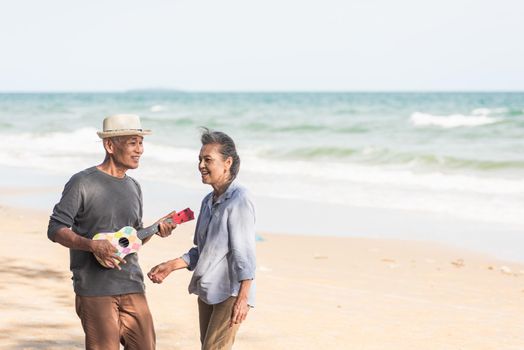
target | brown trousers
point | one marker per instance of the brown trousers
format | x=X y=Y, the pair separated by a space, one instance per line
x=215 y=333
x=111 y=320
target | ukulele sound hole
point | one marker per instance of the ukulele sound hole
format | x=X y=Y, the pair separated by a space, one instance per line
x=123 y=242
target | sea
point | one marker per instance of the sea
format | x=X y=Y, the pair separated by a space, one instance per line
x=438 y=166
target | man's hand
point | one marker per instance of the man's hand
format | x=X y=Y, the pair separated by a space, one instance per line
x=158 y=273
x=166 y=227
x=107 y=253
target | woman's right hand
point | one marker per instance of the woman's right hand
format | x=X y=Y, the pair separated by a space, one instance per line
x=158 y=273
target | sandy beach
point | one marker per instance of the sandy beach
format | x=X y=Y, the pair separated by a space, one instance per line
x=313 y=292
x=380 y=145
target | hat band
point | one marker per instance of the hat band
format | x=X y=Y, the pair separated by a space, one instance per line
x=112 y=130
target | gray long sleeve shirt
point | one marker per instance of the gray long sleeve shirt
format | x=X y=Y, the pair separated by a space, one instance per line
x=225 y=247
x=94 y=202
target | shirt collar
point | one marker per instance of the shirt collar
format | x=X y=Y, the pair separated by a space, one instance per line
x=224 y=196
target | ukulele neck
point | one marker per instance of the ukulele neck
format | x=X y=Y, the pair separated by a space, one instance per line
x=178 y=218
x=150 y=230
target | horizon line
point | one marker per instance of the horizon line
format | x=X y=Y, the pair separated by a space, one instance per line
x=181 y=91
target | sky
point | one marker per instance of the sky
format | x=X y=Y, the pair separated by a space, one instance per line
x=270 y=45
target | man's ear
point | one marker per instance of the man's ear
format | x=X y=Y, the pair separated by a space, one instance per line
x=109 y=145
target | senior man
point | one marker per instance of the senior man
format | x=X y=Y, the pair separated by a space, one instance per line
x=110 y=302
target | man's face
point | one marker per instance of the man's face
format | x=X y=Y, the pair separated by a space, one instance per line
x=126 y=151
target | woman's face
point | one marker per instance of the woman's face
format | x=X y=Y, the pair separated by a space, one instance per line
x=213 y=168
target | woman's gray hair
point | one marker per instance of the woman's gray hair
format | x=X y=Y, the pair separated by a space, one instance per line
x=227 y=148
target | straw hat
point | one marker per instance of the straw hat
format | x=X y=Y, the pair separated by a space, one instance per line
x=122 y=125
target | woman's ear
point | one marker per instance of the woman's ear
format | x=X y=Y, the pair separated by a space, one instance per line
x=228 y=163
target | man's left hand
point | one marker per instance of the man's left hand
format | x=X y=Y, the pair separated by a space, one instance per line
x=165 y=227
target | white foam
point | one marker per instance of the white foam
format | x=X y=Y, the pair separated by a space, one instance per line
x=488 y=111
x=481 y=111
x=157 y=108
x=492 y=199
x=465 y=196
x=170 y=154
x=50 y=151
x=376 y=175
x=450 y=121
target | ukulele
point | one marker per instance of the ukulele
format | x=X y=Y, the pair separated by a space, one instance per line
x=128 y=241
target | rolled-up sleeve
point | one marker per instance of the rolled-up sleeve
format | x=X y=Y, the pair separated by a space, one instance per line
x=241 y=227
x=191 y=258
x=65 y=210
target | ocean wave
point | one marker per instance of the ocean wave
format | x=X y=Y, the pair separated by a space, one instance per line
x=165 y=122
x=259 y=126
x=433 y=162
x=5 y=125
x=48 y=150
x=474 y=197
x=499 y=112
x=320 y=152
x=379 y=156
x=318 y=174
x=450 y=121
x=157 y=108
x=301 y=128
x=305 y=128
x=488 y=111
x=53 y=151
x=351 y=173
x=351 y=129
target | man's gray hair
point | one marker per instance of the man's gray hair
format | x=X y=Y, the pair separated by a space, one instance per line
x=227 y=148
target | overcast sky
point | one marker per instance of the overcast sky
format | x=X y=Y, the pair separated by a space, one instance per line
x=239 y=45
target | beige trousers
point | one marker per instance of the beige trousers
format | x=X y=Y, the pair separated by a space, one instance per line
x=215 y=333
x=109 y=321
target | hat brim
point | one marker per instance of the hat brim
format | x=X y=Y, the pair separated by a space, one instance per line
x=133 y=132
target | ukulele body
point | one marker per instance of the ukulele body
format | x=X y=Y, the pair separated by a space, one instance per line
x=125 y=240
x=128 y=241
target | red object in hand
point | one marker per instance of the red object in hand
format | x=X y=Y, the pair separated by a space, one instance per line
x=183 y=216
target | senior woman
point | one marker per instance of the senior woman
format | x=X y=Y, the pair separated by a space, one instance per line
x=223 y=259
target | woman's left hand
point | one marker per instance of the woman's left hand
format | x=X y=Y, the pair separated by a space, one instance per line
x=240 y=310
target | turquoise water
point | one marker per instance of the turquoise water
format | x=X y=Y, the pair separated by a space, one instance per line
x=459 y=154
x=439 y=131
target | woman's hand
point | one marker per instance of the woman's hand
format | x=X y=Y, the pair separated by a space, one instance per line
x=158 y=273
x=240 y=310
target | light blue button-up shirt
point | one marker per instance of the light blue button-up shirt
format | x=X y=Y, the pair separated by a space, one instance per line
x=224 y=252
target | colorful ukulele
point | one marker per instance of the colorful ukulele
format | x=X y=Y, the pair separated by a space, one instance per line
x=128 y=241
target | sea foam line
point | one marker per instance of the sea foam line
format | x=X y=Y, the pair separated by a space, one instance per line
x=67 y=151
x=450 y=121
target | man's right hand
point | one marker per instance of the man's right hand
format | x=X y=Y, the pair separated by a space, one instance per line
x=107 y=253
